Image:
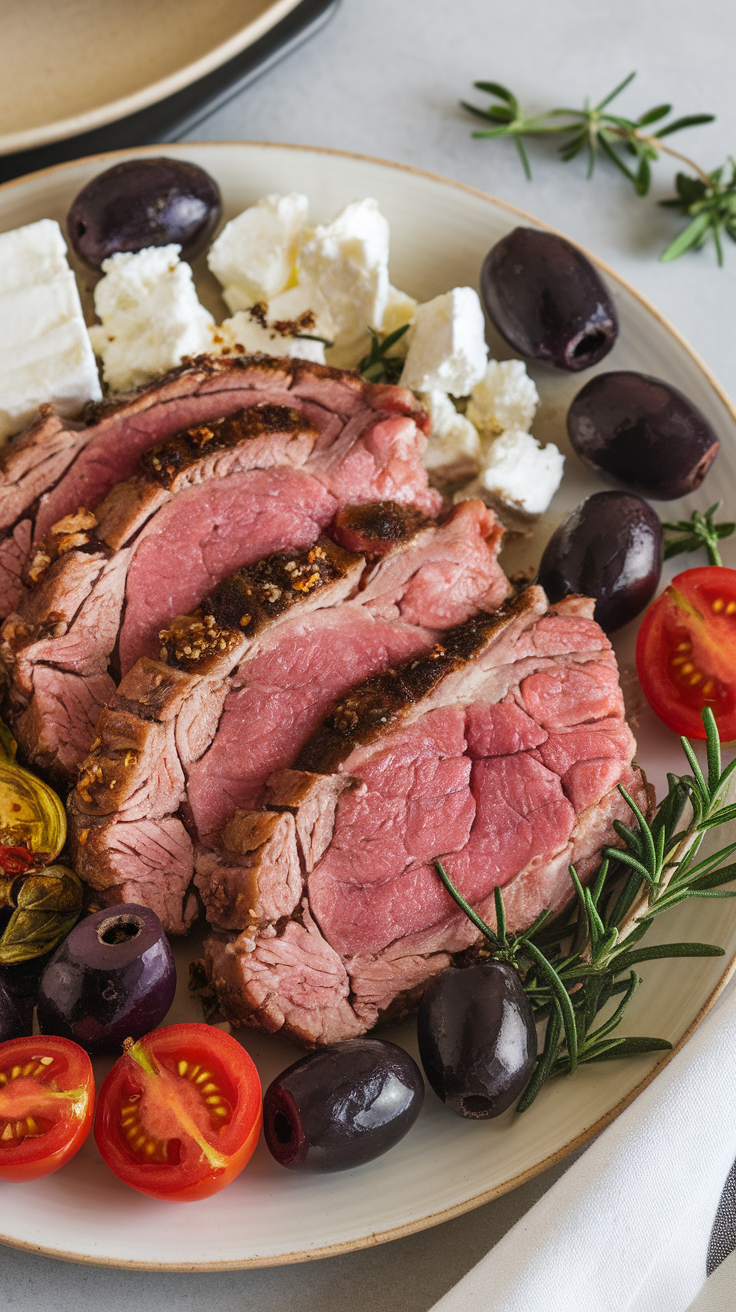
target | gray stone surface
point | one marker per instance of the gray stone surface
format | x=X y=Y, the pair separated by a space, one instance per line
x=384 y=78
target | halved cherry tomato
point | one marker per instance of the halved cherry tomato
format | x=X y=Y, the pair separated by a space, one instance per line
x=47 y=1098
x=180 y=1113
x=686 y=651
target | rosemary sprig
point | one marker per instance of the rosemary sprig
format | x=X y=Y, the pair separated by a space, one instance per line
x=698 y=531
x=378 y=366
x=570 y=966
x=708 y=199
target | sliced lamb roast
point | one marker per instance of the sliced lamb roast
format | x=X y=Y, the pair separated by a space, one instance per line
x=500 y=752
x=206 y=501
x=55 y=466
x=246 y=679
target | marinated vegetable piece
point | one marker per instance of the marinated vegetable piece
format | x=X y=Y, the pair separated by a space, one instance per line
x=547 y=300
x=686 y=652
x=31 y=814
x=47 y=1093
x=112 y=978
x=477 y=1039
x=343 y=1106
x=179 y=1114
x=610 y=548
x=144 y=202
x=47 y=904
x=642 y=434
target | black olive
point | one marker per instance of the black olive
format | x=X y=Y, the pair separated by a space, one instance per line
x=642 y=434
x=16 y=1015
x=610 y=548
x=113 y=978
x=547 y=300
x=144 y=202
x=342 y=1106
x=477 y=1038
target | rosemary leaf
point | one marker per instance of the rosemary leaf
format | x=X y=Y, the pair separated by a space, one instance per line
x=662 y=950
x=546 y=1059
x=630 y=1047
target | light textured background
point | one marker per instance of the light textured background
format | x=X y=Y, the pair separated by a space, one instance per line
x=384 y=78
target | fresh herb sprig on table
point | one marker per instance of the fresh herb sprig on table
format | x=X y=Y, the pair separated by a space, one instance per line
x=571 y=966
x=633 y=145
x=698 y=531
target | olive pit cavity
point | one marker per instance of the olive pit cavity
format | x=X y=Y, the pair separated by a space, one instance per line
x=282 y=1127
x=119 y=929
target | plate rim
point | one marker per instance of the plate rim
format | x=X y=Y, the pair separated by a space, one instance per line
x=74 y=124
x=588 y=1132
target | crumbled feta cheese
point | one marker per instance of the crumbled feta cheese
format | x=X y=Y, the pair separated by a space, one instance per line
x=255 y=255
x=520 y=473
x=447 y=348
x=150 y=314
x=298 y=302
x=399 y=313
x=453 y=447
x=248 y=335
x=347 y=260
x=45 y=353
x=504 y=398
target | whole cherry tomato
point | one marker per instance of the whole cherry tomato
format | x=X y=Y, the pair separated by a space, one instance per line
x=686 y=651
x=180 y=1113
x=47 y=1096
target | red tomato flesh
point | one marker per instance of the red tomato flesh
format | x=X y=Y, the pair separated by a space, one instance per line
x=180 y=1113
x=47 y=1096
x=686 y=652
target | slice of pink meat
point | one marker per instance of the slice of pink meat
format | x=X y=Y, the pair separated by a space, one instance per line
x=208 y=532
x=281 y=695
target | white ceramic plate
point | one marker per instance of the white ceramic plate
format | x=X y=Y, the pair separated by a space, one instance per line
x=73 y=65
x=440 y=233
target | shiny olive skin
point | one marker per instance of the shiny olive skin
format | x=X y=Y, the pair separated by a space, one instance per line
x=342 y=1106
x=20 y=981
x=111 y=979
x=477 y=1038
x=641 y=434
x=16 y=1015
x=547 y=300
x=144 y=202
x=610 y=548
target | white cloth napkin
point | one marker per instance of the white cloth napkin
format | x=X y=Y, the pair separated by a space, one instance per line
x=627 y=1228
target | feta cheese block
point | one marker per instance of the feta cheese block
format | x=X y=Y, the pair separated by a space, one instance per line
x=519 y=473
x=45 y=353
x=399 y=313
x=151 y=317
x=447 y=346
x=347 y=261
x=453 y=453
x=505 y=397
x=255 y=255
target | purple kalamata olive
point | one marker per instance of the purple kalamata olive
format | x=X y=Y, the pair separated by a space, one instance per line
x=16 y=1015
x=21 y=979
x=609 y=548
x=477 y=1038
x=342 y=1106
x=642 y=434
x=547 y=300
x=113 y=978
x=144 y=202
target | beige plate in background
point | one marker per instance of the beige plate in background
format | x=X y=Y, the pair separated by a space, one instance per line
x=73 y=65
x=440 y=234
